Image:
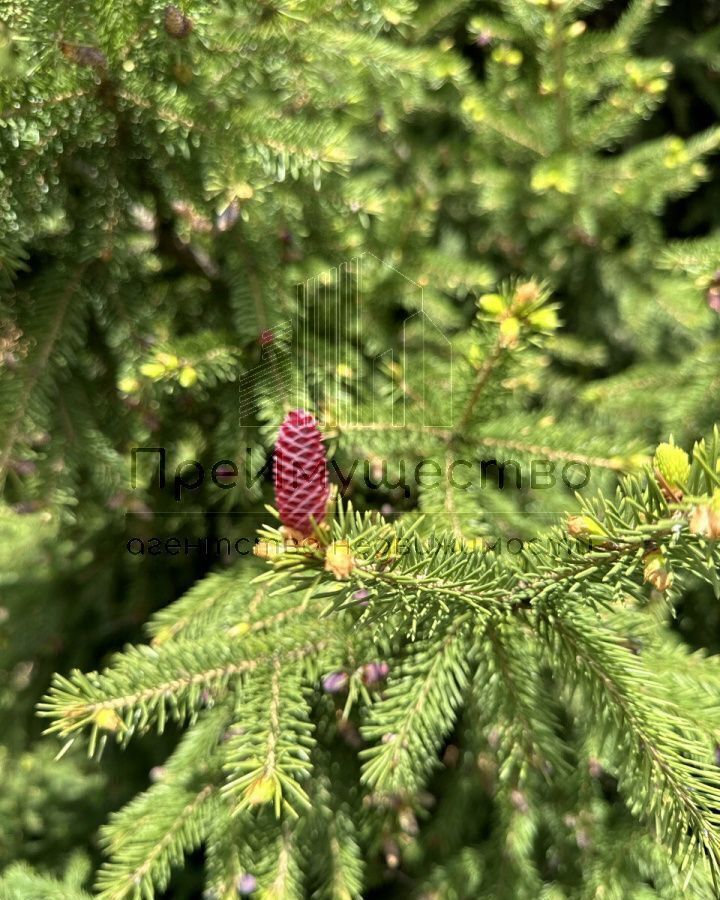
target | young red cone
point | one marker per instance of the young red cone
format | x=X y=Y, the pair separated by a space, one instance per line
x=300 y=469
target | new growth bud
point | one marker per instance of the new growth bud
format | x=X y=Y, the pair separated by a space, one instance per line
x=705 y=519
x=673 y=464
x=656 y=571
x=339 y=560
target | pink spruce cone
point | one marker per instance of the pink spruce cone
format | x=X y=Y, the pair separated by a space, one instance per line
x=300 y=468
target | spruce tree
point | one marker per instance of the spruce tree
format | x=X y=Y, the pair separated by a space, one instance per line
x=434 y=241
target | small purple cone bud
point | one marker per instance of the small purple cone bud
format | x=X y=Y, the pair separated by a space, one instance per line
x=348 y=731
x=117 y=501
x=583 y=839
x=374 y=672
x=361 y=597
x=83 y=56
x=713 y=293
x=392 y=853
x=335 y=682
x=228 y=217
x=519 y=801
x=26 y=507
x=177 y=23
x=24 y=467
x=713 y=298
x=246 y=884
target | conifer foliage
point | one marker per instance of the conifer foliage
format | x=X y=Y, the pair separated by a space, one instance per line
x=466 y=645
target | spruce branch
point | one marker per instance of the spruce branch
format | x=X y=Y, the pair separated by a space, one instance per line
x=150 y=835
x=219 y=598
x=417 y=710
x=36 y=366
x=666 y=766
x=179 y=823
x=482 y=378
x=345 y=862
x=513 y=702
x=147 y=685
x=270 y=755
x=20 y=882
x=540 y=451
x=285 y=878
